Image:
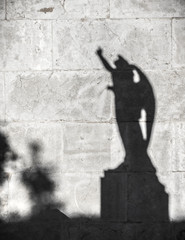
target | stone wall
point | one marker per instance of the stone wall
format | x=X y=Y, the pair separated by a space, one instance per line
x=54 y=92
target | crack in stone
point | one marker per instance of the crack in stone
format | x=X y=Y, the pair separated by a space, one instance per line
x=109 y=29
x=62 y=2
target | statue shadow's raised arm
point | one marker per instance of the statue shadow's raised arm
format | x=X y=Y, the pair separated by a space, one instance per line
x=104 y=61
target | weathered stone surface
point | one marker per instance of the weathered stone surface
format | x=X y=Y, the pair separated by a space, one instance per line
x=4 y=199
x=116 y=147
x=178 y=42
x=25 y=45
x=178 y=146
x=2 y=98
x=48 y=138
x=161 y=146
x=168 y=87
x=76 y=42
x=57 y=9
x=174 y=186
x=77 y=96
x=176 y=207
x=53 y=92
x=19 y=202
x=86 y=147
x=141 y=8
x=176 y=182
x=2 y=9
x=80 y=193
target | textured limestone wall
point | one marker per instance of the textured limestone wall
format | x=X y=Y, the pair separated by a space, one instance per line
x=54 y=91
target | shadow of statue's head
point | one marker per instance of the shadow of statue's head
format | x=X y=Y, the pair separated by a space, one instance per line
x=122 y=64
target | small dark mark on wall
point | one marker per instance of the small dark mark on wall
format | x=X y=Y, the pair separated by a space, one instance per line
x=45 y=10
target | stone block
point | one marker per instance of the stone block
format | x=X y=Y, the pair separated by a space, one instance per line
x=47 y=136
x=72 y=96
x=176 y=208
x=178 y=146
x=57 y=9
x=2 y=98
x=176 y=185
x=117 y=148
x=141 y=8
x=168 y=87
x=168 y=180
x=178 y=44
x=4 y=199
x=86 y=147
x=2 y=9
x=161 y=146
x=19 y=202
x=25 y=45
x=80 y=193
x=32 y=195
x=76 y=42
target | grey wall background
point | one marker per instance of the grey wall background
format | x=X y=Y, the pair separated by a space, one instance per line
x=53 y=91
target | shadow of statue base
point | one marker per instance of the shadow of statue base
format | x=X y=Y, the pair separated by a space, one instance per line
x=133 y=194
